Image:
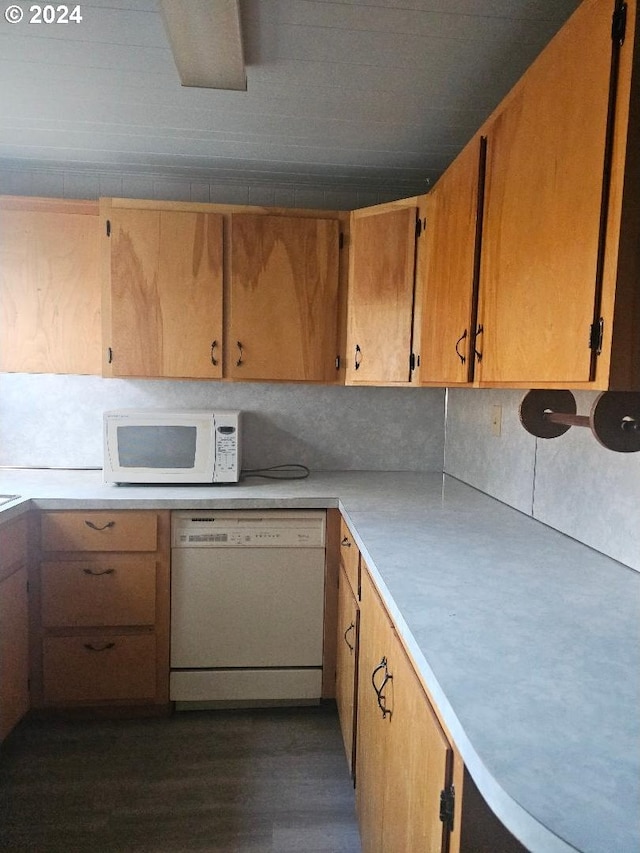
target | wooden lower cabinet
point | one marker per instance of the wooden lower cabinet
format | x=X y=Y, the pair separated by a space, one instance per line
x=14 y=625
x=103 y=609
x=403 y=758
x=347 y=643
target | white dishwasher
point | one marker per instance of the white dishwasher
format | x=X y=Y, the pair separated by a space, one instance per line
x=247 y=607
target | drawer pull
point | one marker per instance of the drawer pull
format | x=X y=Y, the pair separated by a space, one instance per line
x=98 y=574
x=96 y=527
x=103 y=648
x=350 y=628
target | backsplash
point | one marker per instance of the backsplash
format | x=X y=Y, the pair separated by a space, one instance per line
x=571 y=483
x=56 y=421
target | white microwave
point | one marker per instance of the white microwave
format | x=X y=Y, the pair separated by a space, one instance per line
x=161 y=446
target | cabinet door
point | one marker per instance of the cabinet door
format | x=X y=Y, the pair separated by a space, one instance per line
x=163 y=294
x=418 y=764
x=449 y=286
x=283 y=302
x=541 y=239
x=403 y=757
x=347 y=665
x=381 y=295
x=372 y=727
x=14 y=650
x=49 y=286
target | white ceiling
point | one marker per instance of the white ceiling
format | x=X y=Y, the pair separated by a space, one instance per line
x=364 y=92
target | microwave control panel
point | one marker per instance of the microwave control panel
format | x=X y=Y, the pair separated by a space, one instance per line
x=227 y=456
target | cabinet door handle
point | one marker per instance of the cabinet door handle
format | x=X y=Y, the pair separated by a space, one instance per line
x=214 y=360
x=97 y=527
x=386 y=712
x=357 y=360
x=95 y=574
x=239 y=362
x=346 y=542
x=101 y=648
x=458 y=353
x=350 y=628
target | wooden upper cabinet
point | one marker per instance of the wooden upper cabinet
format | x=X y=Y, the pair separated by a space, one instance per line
x=49 y=286
x=162 y=297
x=543 y=244
x=282 y=321
x=381 y=294
x=448 y=266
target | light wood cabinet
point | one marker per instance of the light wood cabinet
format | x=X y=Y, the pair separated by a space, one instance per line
x=103 y=591
x=283 y=298
x=49 y=286
x=162 y=297
x=559 y=302
x=403 y=758
x=208 y=291
x=14 y=625
x=350 y=558
x=347 y=644
x=381 y=294
x=449 y=267
x=347 y=667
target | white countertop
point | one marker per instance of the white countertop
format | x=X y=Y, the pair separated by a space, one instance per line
x=528 y=640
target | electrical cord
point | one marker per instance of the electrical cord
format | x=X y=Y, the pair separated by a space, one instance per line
x=288 y=471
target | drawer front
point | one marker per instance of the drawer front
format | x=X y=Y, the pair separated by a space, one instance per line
x=350 y=558
x=99 y=668
x=99 y=531
x=101 y=590
x=13 y=546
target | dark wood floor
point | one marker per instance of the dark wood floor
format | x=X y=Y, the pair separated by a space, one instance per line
x=251 y=780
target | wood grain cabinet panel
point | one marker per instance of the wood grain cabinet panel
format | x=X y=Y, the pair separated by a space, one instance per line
x=99 y=531
x=14 y=650
x=350 y=558
x=381 y=294
x=347 y=651
x=95 y=668
x=49 y=286
x=283 y=299
x=14 y=624
x=449 y=256
x=103 y=609
x=403 y=758
x=103 y=590
x=162 y=297
x=549 y=271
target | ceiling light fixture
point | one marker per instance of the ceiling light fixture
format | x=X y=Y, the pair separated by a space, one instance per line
x=206 y=42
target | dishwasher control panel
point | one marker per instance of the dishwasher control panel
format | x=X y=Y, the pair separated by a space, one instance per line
x=248 y=529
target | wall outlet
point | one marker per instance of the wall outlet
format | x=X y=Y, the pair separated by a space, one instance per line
x=496 y=420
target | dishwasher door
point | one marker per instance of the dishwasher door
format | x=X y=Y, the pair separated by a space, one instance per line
x=247 y=607
x=233 y=607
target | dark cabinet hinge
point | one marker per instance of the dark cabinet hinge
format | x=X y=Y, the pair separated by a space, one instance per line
x=619 y=24
x=447 y=805
x=420 y=226
x=108 y=228
x=414 y=361
x=596 y=335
